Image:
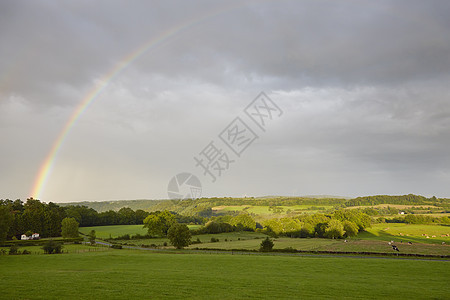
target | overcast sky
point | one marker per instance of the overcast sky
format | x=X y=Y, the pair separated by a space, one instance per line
x=363 y=87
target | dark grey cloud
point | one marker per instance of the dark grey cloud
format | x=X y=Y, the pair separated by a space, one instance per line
x=364 y=87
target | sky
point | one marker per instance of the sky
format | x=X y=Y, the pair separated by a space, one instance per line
x=107 y=100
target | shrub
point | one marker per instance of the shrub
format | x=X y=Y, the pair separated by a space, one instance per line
x=52 y=247
x=124 y=237
x=116 y=246
x=26 y=252
x=196 y=241
x=289 y=249
x=266 y=245
x=13 y=250
x=165 y=244
x=92 y=237
x=214 y=240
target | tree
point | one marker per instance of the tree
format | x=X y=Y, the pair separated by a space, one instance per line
x=273 y=225
x=307 y=230
x=91 y=237
x=140 y=216
x=179 y=235
x=158 y=223
x=217 y=227
x=6 y=219
x=350 y=228
x=69 y=228
x=244 y=222
x=334 y=229
x=266 y=245
x=127 y=216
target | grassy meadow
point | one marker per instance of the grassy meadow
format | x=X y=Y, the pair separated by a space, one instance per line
x=105 y=232
x=430 y=234
x=375 y=239
x=118 y=274
x=114 y=231
x=265 y=210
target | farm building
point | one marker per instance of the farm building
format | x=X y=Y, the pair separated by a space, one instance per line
x=34 y=236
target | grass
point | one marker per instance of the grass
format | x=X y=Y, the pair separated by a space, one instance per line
x=407 y=233
x=264 y=210
x=205 y=239
x=114 y=231
x=373 y=240
x=119 y=274
x=317 y=244
x=70 y=248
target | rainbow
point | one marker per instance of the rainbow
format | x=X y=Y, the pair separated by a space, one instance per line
x=47 y=166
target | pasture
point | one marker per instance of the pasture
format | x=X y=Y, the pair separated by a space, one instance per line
x=266 y=210
x=416 y=233
x=122 y=274
x=317 y=244
x=114 y=231
x=67 y=248
x=375 y=239
x=105 y=232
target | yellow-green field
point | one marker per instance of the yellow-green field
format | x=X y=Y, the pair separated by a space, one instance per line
x=431 y=234
x=264 y=210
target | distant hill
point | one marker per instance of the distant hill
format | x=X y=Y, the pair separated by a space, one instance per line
x=189 y=206
x=402 y=199
x=101 y=206
x=203 y=206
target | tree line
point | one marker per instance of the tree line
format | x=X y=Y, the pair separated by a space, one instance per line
x=409 y=199
x=17 y=217
x=341 y=223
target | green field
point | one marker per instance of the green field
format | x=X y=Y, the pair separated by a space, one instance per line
x=264 y=210
x=119 y=274
x=67 y=248
x=114 y=231
x=408 y=233
x=352 y=245
x=374 y=240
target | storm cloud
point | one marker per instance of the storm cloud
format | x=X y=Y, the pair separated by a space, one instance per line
x=363 y=86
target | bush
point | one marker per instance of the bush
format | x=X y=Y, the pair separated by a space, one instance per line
x=26 y=252
x=13 y=250
x=165 y=244
x=289 y=249
x=124 y=237
x=196 y=241
x=214 y=240
x=52 y=247
x=116 y=246
x=266 y=245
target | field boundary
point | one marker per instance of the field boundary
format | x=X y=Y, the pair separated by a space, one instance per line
x=365 y=253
